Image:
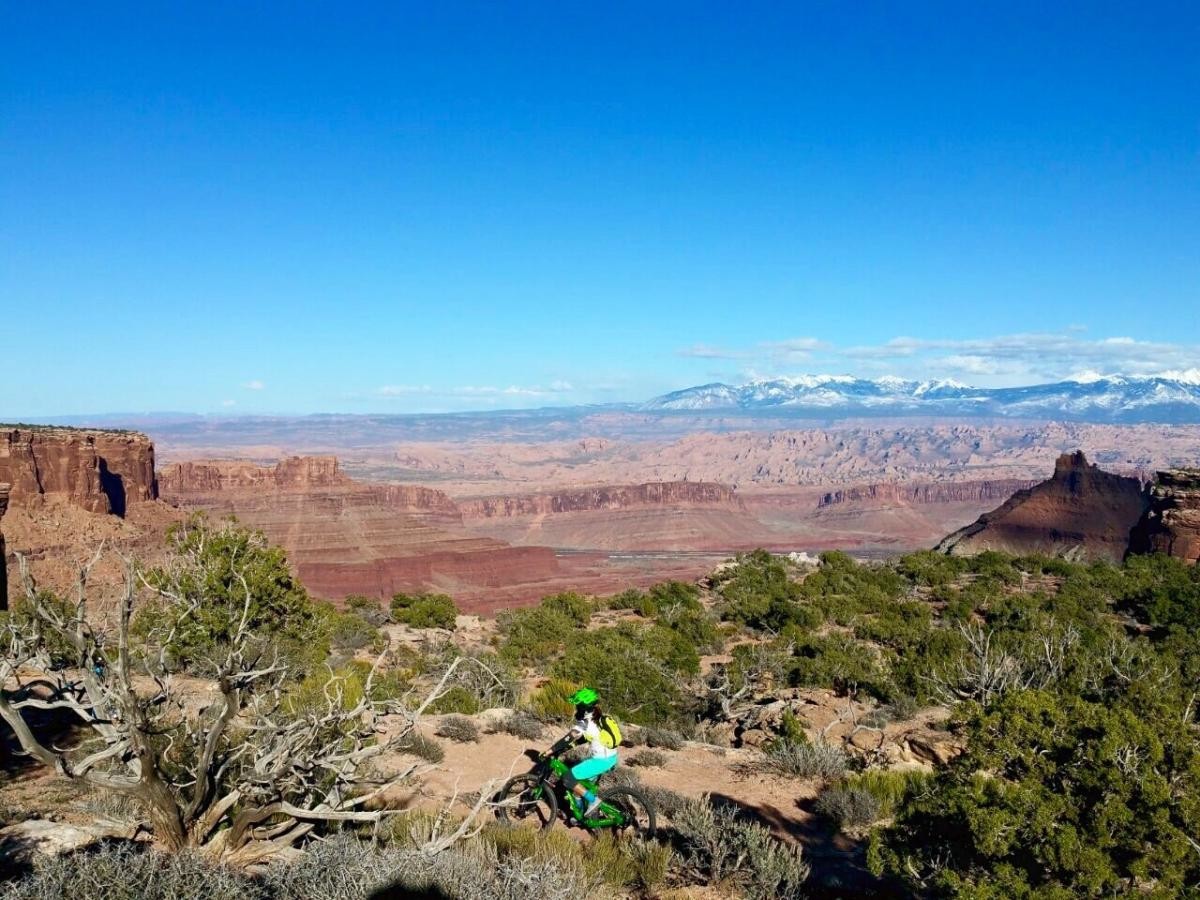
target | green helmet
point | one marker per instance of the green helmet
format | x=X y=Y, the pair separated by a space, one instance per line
x=584 y=697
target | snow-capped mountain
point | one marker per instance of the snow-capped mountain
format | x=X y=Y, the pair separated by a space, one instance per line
x=1171 y=397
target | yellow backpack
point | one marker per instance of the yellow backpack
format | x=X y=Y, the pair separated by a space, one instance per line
x=610 y=732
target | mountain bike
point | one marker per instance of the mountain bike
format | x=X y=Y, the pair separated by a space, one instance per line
x=535 y=799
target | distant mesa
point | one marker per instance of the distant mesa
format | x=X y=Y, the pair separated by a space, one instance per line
x=1080 y=512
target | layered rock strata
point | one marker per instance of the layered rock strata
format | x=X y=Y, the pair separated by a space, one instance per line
x=1171 y=524
x=927 y=493
x=608 y=498
x=4 y=489
x=99 y=471
x=1081 y=512
x=348 y=537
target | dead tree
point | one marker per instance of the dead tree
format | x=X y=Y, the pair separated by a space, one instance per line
x=244 y=776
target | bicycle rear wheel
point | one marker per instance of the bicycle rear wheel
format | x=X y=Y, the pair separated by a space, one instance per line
x=636 y=809
x=526 y=801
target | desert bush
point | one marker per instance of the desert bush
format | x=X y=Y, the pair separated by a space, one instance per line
x=627 y=668
x=424 y=610
x=458 y=728
x=534 y=637
x=848 y=806
x=661 y=738
x=128 y=871
x=815 y=760
x=369 y=609
x=573 y=606
x=1056 y=795
x=215 y=566
x=718 y=846
x=522 y=724
x=551 y=702
x=421 y=746
x=647 y=759
x=758 y=592
x=347 y=631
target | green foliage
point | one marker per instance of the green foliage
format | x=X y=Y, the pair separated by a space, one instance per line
x=21 y=616
x=758 y=592
x=424 y=610
x=534 y=636
x=573 y=606
x=1057 y=795
x=632 y=668
x=551 y=702
x=223 y=578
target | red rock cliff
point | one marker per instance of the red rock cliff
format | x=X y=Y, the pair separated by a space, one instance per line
x=345 y=536
x=1081 y=511
x=636 y=496
x=100 y=471
x=1171 y=524
x=932 y=492
x=3 y=552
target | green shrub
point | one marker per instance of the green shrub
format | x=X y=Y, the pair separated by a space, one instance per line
x=205 y=586
x=424 y=610
x=456 y=699
x=1056 y=795
x=575 y=607
x=533 y=637
x=523 y=725
x=848 y=807
x=551 y=702
x=758 y=592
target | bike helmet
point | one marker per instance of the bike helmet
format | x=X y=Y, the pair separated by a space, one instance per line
x=584 y=697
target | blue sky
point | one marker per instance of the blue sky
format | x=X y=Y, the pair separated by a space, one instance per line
x=247 y=207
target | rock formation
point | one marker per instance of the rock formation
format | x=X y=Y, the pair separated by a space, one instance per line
x=4 y=488
x=608 y=497
x=349 y=537
x=932 y=492
x=1081 y=512
x=1171 y=524
x=655 y=516
x=99 y=471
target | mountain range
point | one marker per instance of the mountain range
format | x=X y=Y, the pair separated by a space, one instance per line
x=1170 y=398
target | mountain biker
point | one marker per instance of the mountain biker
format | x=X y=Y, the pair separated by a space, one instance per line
x=588 y=728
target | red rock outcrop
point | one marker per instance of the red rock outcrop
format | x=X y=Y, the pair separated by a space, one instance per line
x=1171 y=524
x=935 y=492
x=99 y=471
x=608 y=497
x=4 y=488
x=344 y=536
x=1081 y=512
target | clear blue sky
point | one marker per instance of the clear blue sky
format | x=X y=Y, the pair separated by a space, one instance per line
x=400 y=207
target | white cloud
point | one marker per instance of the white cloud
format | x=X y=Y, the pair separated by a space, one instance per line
x=228 y=403
x=404 y=390
x=253 y=385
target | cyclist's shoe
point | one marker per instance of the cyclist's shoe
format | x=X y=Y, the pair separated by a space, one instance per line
x=593 y=808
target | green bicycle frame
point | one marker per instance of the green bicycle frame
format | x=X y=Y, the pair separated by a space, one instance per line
x=609 y=817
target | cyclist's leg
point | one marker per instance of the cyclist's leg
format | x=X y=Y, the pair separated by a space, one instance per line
x=593 y=768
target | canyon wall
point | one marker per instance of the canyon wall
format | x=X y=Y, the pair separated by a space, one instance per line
x=936 y=492
x=1080 y=512
x=607 y=498
x=348 y=537
x=4 y=488
x=99 y=471
x=1171 y=524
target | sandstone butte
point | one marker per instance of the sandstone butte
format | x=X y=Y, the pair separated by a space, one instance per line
x=4 y=489
x=1081 y=512
x=344 y=536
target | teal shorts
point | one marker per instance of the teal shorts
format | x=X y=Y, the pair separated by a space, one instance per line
x=594 y=767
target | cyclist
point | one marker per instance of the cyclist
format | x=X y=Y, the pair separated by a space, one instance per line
x=595 y=729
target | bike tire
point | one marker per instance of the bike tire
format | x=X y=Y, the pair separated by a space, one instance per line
x=636 y=806
x=516 y=805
